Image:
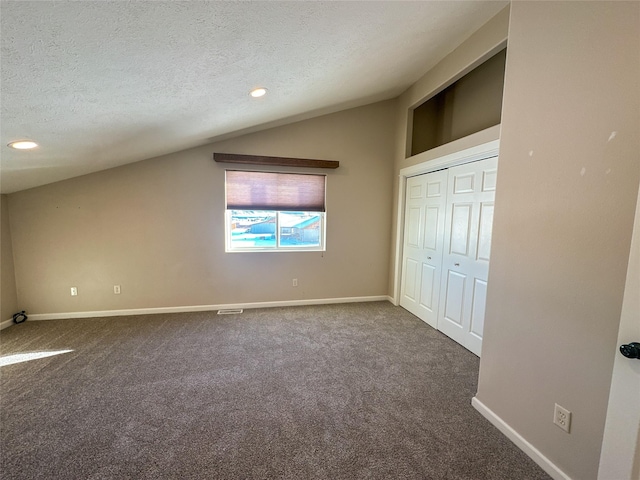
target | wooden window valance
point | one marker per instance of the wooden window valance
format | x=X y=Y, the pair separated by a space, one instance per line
x=274 y=161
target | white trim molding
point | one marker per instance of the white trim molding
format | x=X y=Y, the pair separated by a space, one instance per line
x=6 y=323
x=204 y=308
x=547 y=465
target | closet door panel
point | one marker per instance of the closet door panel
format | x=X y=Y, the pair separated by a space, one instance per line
x=410 y=279
x=468 y=225
x=460 y=228
x=484 y=232
x=423 y=245
x=454 y=298
x=428 y=280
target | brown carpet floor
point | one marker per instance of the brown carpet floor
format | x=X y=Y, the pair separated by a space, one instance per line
x=353 y=391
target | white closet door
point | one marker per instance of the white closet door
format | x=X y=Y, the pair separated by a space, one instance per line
x=467 y=244
x=423 y=242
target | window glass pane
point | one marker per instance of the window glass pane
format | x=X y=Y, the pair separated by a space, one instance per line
x=300 y=229
x=253 y=229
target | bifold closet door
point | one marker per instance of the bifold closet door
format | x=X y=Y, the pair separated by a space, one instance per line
x=422 y=247
x=467 y=245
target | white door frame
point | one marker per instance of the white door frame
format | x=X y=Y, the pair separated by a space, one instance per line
x=473 y=154
x=620 y=455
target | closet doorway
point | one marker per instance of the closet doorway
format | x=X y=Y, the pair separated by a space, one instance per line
x=448 y=218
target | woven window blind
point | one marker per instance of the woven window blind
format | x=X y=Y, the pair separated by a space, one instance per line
x=275 y=191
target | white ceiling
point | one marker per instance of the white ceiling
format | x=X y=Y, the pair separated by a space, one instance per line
x=103 y=83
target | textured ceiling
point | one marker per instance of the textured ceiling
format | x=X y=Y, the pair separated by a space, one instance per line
x=103 y=83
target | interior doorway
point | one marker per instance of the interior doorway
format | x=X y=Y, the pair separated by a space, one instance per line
x=445 y=217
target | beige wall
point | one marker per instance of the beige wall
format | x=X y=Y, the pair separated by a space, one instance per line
x=471 y=104
x=476 y=101
x=8 y=298
x=157 y=227
x=567 y=185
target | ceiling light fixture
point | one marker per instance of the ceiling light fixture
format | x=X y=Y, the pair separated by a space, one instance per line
x=258 y=92
x=23 y=144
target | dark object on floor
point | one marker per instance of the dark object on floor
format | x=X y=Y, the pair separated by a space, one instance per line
x=19 y=317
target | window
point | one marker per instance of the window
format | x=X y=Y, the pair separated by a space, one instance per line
x=274 y=211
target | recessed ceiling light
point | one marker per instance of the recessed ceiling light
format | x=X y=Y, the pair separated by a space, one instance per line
x=23 y=144
x=258 y=92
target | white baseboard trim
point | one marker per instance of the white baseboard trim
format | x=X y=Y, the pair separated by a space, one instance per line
x=520 y=442
x=6 y=323
x=204 y=308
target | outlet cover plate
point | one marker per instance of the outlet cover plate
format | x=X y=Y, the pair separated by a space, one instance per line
x=562 y=418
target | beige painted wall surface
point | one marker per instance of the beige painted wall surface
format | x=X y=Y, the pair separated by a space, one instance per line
x=471 y=104
x=567 y=186
x=477 y=98
x=157 y=227
x=8 y=297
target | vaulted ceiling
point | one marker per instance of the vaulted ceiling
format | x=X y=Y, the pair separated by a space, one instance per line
x=104 y=83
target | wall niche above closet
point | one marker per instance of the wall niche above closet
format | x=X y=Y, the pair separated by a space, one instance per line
x=469 y=105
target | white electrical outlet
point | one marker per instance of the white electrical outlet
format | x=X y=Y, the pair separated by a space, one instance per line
x=562 y=418
x=116 y=289
x=74 y=291
x=295 y=282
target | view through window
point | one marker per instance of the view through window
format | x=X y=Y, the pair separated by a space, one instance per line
x=272 y=229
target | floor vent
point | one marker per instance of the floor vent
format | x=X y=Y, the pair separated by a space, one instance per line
x=229 y=311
